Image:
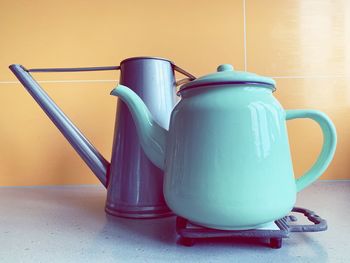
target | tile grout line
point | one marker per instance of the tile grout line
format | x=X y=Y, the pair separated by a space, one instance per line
x=310 y=77
x=65 y=81
x=98 y=185
x=116 y=80
x=244 y=36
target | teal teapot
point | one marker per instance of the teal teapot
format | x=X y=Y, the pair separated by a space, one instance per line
x=226 y=156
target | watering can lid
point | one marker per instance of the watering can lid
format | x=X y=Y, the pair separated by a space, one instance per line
x=227 y=75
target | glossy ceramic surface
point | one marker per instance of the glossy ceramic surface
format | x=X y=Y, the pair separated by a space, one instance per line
x=231 y=168
x=226 y=156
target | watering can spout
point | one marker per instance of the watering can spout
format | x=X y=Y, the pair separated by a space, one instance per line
x=97 y=163
x=152 y=136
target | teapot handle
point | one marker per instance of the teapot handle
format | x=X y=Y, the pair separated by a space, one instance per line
x=328 y=148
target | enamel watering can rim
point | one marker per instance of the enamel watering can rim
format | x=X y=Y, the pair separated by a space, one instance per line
x=226 y=75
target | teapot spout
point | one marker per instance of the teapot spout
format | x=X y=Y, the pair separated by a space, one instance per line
x=152 y=136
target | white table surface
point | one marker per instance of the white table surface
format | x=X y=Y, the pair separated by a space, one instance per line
x=68 y=224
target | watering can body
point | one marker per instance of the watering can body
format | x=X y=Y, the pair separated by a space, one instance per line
x=226 y=154
x=134 y=184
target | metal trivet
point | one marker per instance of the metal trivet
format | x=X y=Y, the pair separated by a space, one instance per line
x=189 y=233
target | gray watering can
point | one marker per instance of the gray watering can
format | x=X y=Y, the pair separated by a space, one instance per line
x=134 y=184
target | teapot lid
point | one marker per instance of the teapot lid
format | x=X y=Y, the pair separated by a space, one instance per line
x=227 y=75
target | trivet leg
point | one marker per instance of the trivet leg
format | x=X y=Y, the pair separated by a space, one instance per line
x=181 y=223
x=275 y=242
x=185 y=241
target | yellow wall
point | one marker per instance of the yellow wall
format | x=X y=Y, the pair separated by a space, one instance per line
x=304 y=44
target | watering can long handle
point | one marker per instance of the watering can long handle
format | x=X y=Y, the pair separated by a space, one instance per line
x=175 y=67
x=73 y=69
x=97 y=163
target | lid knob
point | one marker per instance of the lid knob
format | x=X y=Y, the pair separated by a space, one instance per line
x=225 y=67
